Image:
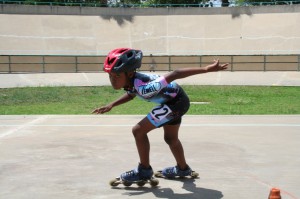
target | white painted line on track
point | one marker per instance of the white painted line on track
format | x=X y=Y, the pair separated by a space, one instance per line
x=86 y=78
x=21 y=126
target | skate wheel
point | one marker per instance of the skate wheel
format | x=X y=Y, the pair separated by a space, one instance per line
x=194 y=174
x=127 y=184
x=114 y=183
x=141 y=183
x=154 y=182
x=159 y=174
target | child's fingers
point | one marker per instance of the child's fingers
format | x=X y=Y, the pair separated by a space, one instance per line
x=96 y=111
x=224 y=66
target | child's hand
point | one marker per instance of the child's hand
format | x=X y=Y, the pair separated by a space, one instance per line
x=102 y=110
x=216 y=66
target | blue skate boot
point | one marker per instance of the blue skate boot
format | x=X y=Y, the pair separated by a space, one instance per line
x=173 y=172
x=139 y=176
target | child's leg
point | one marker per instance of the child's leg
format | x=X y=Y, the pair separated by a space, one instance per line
x=171 y=138
x=140 y=131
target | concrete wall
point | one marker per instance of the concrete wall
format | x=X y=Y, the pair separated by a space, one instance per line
x=52 y=30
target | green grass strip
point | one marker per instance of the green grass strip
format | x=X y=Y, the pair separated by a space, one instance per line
x=220 y=100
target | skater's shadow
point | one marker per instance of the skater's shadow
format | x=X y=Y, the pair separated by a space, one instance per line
x=188 y=184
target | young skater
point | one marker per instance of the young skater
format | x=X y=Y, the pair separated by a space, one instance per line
x=121 y=65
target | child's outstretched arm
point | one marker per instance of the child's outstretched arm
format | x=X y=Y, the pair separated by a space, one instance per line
x=123 y=99
x=186 y=72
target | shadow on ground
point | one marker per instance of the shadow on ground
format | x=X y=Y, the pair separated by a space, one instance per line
x=188 y=185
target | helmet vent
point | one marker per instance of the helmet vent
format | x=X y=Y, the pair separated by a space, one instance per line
x=110 y=61
x=119 y=63
x=130 y=54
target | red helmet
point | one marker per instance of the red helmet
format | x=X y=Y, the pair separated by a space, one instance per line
x=123 y=60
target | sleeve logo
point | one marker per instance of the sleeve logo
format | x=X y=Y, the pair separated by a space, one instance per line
x=149 y=90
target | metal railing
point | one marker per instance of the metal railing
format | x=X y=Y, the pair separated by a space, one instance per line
x=77 y=64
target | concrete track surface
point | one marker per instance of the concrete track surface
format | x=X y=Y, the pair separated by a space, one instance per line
x=74 y=157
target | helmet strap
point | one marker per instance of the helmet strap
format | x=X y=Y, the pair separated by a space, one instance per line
x=129 y=81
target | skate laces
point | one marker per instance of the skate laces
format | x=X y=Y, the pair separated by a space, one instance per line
x=137 y=174
x=131 y=173
x=171 y=170
x=176 y=171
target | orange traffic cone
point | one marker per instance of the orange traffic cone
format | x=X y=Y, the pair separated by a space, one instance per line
x=274 y=194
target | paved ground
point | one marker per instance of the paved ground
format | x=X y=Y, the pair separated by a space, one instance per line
x=291 y=78
x=74 y=157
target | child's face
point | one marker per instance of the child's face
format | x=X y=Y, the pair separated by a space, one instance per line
x=118 y=80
